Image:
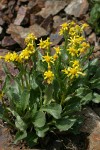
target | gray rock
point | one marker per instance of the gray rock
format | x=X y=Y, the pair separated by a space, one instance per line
x=77 y=8
x=8 y=41
x=52 y=8
x=55 y=39
x=19 y=33
x=20 y=15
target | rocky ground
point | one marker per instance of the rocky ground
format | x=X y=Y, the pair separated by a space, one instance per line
x=43 y=18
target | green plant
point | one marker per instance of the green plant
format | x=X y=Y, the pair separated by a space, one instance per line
x=51 y=85
x=94 y=19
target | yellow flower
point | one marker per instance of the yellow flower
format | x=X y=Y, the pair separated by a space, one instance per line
x=84 y=26
x=30 y=38
x=78 y=29
x=72 y=23
x=76 y=40
x=73 y=72
x=14 y=56
x=8 y=56
x=45 y=44
x=72 y=51
x=64 y=27
x=25 y=54
x=81 y=50
x=30 y=48
x=57 y=49
x=55 y=56
x=75 y=63
x=1 y=95
x=41 y=44
x=85 y=45
x=65 y=71
x=72 y=31
x=47 y=59
x=48 y=76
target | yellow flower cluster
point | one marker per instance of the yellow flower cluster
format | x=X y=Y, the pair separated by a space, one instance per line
x=74 y=70
x=64 y=28
x=30 y=39
x=49 y=75
x=25 y=54
x=72 y=28
x=45 y=44
x=76 y=47
x=11 y=57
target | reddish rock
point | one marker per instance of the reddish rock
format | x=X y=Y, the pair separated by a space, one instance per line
x=1 y=22
x=3 y=4
x=33 y=7
x=2 y=75
x=96 y=48
x=8 y=41
x=57 y=21
x=52 y=8
x=92 y=38
x=20 y=15
x=19 y=33
x=23 y=0
x=41 y=3
x=11 y=3
x=97 y=54
x=77 y=8
x=92 y=126
x=6 y=19
x=88 y=30
x=48 y=23
x=35 y=19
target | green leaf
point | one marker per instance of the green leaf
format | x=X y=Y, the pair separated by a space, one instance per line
x=94 y=62
x=42 y=131
x=24 y=99
x=85 y=94
x=96 y=98
x=33 y=110
x=20 y=135
x=33 y=83
x=48 y=95
x=53 y=109
x=20 y=124
x=39 y=119
x=95 y=83
x=31 y=139
x=87 y=98
x=65 y=124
